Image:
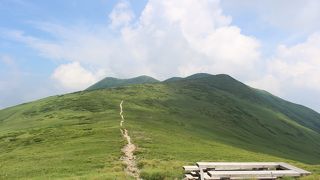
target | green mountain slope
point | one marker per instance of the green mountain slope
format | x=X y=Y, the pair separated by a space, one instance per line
x=114 y=82
x=173 y=79
x=300 y=114
x=198 y=118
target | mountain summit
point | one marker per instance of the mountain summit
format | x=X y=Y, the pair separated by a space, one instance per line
x=110 y=82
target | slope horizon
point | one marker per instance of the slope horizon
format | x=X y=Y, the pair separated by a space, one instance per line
x=166 y=80
x=174 y=78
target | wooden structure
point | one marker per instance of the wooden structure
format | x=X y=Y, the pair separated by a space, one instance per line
x=241 y=170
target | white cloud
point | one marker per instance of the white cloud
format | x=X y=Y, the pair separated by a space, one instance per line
x=268 y=82
x=299 y=64
x=73 y=76
x=170 y=38
x=44 y=47
x=121 y=15
x=293 y=71
x=179 y=37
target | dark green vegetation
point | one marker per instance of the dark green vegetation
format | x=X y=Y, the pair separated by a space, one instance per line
x=115 y=82
x=174 y=123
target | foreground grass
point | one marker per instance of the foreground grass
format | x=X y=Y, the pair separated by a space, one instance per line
x=76 y=136
x=61 y=138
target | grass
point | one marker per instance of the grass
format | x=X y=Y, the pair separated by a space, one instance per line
x=58 y=138
x=115 y=82
x=76 y=136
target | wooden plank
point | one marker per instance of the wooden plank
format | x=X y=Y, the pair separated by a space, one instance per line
x=236 y=165
x=247 y=168
x=202 y=174
x=264 y=173
x=238 y=178
x=191 y=168
x=207 y=177
x=194 y=173
x=288 y=166
x=190 y=177
x=235 y=178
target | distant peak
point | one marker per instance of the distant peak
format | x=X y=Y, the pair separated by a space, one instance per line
x=199 y=75
x=172 y=79
x=110 y=82
x=144 y=76
x=137 y=77
x=207 y=75
x=225 y=76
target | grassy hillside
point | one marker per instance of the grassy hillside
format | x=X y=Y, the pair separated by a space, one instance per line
x=115 y=82
x=200 y=118
x=64 y=136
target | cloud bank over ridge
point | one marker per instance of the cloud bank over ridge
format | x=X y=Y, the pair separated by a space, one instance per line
x=179 y=38
x=170 y=38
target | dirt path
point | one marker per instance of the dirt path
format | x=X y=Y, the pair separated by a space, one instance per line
x=129 y=159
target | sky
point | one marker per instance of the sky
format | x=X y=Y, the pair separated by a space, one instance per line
x=56 y=47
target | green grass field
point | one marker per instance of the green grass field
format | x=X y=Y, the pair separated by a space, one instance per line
x=76 y=136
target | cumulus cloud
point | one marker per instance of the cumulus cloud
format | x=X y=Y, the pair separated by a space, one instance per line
x=294 y=71
x=121 y=15
x=196 y=35
x=298 y=64
x=268 y=82
x=170 y=38
x=73 y=76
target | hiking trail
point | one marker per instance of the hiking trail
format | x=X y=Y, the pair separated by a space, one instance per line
x=129 y=159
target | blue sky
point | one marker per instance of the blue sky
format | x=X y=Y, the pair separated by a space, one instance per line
x=55 y=47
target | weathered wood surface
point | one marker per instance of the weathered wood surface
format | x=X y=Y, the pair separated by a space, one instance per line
x=207 y=177
x=276 y=173
x=194 y=173
x=191 y=168
x=190 y=177
x=288 y=166
x=237 y=165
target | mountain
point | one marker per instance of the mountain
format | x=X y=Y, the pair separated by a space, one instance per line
x=300 y=114
x=173 y=79
x=173 y=123
x=110 y=82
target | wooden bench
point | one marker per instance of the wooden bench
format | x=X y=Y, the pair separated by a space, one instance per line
x=252 y=174
x=243 y=170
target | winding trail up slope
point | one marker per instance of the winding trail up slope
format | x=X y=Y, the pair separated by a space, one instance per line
x=129 y=159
